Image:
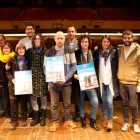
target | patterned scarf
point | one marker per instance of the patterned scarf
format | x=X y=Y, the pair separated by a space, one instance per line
x=38 y=49
x=105 y=54
x=5 y=58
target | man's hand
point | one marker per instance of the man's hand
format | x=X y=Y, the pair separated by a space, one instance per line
x=76 y=76
x=48 y=88
x=138 y=88
x=13 y=81
x=62 y=82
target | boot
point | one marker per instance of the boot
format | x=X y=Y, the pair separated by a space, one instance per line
x=77 y=117
x=83 y=121
x=93 y=124
x=105 y=121
x=36 y=119
x=110 y=124
x=43 y=117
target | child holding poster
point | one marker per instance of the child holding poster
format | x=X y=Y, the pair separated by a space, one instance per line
x=17 y=63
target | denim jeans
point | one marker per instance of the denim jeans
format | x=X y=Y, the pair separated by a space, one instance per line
x=93 y=97
x=107 y=97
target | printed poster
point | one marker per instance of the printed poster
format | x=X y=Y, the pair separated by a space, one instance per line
x=87 y=76
x=54 y=69
x=23 y=82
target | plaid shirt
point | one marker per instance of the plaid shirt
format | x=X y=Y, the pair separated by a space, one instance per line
x=21 y=62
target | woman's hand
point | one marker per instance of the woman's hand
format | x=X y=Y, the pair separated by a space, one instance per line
x=76 y=76
x=7 y=67
x=13 y=81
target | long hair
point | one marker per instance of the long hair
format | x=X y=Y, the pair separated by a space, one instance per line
x=108 y=38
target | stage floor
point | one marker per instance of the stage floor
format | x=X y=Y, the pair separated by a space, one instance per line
x=65 y=133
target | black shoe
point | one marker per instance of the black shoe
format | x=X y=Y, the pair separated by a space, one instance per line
x=83 y=121
x=93 y=124
x=2 y=114
x=31 y=116
x=36 y=119
x=43 y=117
x=77 y=117
x=14 y=125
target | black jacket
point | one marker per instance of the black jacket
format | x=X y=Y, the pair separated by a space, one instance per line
x=114 y=68
x=14 y=67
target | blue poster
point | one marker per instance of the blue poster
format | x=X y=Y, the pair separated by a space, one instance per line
x=54 y=69
x=23 y=82
x=87 y=76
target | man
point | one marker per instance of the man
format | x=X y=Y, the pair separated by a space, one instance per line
x=27 y=41
x=72 y=42
x=129 y=78
x=2 y=41
x=64 y=86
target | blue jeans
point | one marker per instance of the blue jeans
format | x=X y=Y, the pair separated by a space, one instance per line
x=107 y=97
x=1 y=101
x=92 y=96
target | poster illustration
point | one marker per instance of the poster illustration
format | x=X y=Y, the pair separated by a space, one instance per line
x=87 y=76
x=23 y=82
x=54 y=69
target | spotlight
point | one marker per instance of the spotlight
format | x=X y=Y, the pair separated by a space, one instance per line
x=37 y=26
x=15 y=26
x=84 y=26
x=97 y=26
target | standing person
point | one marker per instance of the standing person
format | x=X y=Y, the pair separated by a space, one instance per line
x=27 y=41
x=83 y=56
x=35 y=56
x=64 y=86
x=129 y=78
x=2 y=41
x=106 y=65
x=72 y=42
x=6 y=54
x=17 y=63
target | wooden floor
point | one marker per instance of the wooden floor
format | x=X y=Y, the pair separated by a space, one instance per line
x=65 y=133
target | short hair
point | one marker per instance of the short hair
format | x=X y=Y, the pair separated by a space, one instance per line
x=30 y=25
x=42 y=43
x=81 y=37
x=127 y=32
x=9 y=45
x=19 y=45
x=73 y=27
x=2 y=36
x=108 y=38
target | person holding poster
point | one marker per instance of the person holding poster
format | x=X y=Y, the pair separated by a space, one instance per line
x=17 y=63
x=35 y=56
x=106 y=65
x=83 y=56
x=6 y=54
x=64 y=86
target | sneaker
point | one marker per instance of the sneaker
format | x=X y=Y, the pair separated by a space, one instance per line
x=125 y=126
x=54 y=126
x=24 y=123
x=14 y=125
x=31 y=116
x=70 y=124
x=136 y=128
x=2 y=114
x=8 y=120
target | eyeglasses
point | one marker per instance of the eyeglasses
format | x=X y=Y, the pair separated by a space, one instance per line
x=37 y=39
x=6 y=48
x=1 y=40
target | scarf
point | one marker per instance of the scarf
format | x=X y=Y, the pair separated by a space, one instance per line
x=5 y=58
x=89 y=57
x=38 y=49
x=105 y=54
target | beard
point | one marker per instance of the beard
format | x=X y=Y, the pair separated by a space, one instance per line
x=71 y=37
x=60 y=45
x=127 y=44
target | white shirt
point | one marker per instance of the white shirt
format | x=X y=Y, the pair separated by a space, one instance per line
x=27 y=42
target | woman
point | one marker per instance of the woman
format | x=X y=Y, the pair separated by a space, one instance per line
x=106 y=65
x=35 y=57
x=83 y=56
x=6 y=54
x=17 y=63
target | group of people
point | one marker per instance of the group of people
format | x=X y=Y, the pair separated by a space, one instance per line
x=117 y=71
